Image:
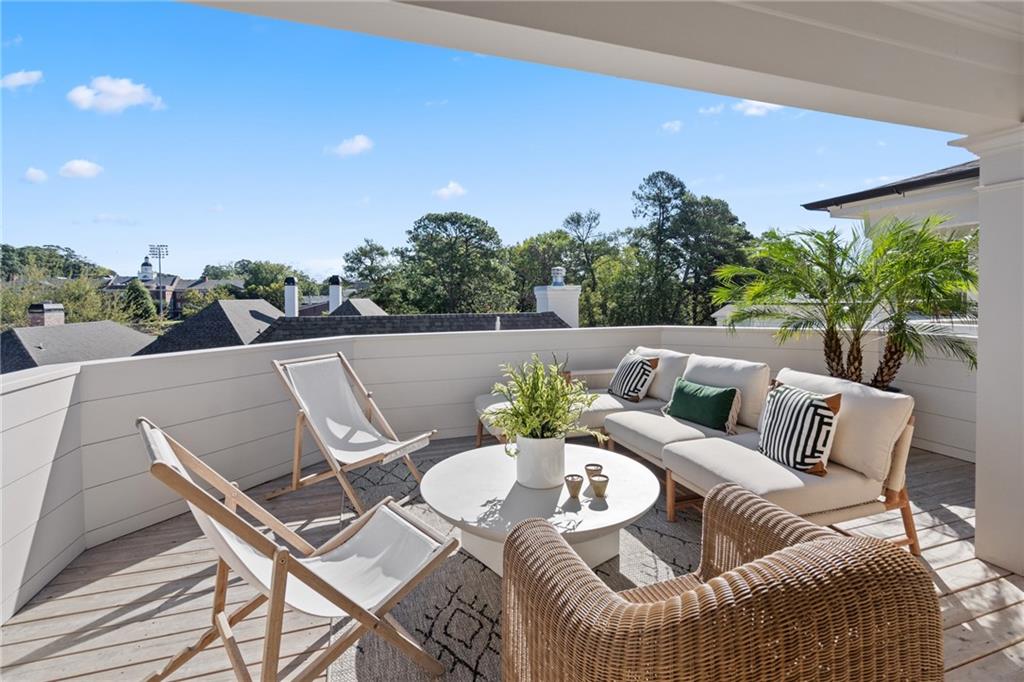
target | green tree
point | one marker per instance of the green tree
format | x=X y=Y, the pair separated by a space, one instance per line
x=622 y=285
x=369 y=263
x=137 y=302
x=51 y=260
x=659 y=201
x=588 y=245
x=222 y=271
x=84 y=302
x=531 y=262
x=453 y=263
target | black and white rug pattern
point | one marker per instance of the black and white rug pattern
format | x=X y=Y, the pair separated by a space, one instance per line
x=456 y=612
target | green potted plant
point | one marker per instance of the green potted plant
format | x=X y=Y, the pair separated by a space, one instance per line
x=543 y=406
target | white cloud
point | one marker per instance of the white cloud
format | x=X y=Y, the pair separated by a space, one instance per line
x=112 y=95
x=431 y=103
x=672 y=127
x=13 y=42
x=80 y=168
x=881 y=143
x=820 y=150
x=750 y=107
x=880 y=180
x=20 y=79
x=450 y=191
x=358 y=144
x=113 y=219
x=35 y=176
x=712 y=110
x=217 y=208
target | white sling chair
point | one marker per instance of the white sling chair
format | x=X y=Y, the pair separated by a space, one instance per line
x=328 y=393
x=362 y=572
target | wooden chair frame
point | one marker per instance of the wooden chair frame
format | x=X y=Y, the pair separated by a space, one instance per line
x=338 y=471
x=286 y=567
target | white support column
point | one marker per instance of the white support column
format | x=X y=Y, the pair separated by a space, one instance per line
x=1000 y=420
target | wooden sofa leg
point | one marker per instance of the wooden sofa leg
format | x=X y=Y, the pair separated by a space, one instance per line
x=609 y=444
x=908 y=523
x=670 y=496
x=479 y=432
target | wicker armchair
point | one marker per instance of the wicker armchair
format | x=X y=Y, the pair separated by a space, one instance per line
x=775 y=598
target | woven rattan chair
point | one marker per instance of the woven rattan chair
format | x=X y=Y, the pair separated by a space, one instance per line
x=775 y=598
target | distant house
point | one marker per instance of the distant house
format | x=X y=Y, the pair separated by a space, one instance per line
x=948 y=191
x=221 y=323
x=358 y=306
x=293 y=328
x=53 y=343
x=171 y=288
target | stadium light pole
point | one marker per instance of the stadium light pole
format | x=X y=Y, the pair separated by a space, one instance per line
x=159 y=251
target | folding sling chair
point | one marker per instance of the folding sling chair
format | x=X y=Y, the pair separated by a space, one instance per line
x=340 y=413
x=361 y=573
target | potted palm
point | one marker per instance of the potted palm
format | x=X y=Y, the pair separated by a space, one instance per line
x=543 y=405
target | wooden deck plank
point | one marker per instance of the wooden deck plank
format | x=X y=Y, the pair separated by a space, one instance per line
x=984 y=635
x=123 y=608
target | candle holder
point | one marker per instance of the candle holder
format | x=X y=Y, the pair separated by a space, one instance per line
x=599 y=482
x=574 y=482
x=592 y=470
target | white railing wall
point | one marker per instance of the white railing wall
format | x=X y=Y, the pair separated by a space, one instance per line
x=75 y=474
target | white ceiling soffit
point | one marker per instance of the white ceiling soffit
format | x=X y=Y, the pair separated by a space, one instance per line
x=944 y=65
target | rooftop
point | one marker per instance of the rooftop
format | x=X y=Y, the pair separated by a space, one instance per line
x=27 y=347
x=963 y=171
x=221 y=323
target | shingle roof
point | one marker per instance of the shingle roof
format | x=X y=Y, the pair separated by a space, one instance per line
x=293 y=328
x=27 y=347
x=358 y=306
x=205 y=284
x=222 y=323
x=962 y=171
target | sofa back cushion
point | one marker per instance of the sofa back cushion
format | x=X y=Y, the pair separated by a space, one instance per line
x=671 y=365
x=868 y=425
x=751 y=378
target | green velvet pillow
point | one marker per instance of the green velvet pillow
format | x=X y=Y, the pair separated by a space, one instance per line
x=706 y=405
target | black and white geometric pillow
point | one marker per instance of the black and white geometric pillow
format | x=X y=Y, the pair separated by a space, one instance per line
x=633 y=377
x=798 y=427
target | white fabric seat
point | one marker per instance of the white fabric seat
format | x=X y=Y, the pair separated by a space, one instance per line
x=593 y=417
x=702 y=464
x=646 y=433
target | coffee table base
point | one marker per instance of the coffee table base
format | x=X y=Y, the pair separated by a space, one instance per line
x=594 y=551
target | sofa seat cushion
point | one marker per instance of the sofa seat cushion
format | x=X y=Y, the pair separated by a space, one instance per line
x=868 y=425
x=705 y=463
x=647 y=433
x=593 y=417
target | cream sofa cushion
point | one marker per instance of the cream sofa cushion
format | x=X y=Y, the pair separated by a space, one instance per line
x=869 y=423
x=703 y=464
x=593 y=417
x=646 y=433
x=751 y=378
x=671 y=365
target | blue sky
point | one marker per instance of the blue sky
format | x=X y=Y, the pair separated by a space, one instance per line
x=224 y=136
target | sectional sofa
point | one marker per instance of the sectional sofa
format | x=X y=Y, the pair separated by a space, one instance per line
x=866 y=467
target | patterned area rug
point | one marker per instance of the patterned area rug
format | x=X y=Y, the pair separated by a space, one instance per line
x=456 y=612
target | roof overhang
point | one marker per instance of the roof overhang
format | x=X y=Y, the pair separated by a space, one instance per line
x=927 y=64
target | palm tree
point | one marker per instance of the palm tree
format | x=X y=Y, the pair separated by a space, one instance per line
x=925 y=278
x=883 y=280
x=802 y=281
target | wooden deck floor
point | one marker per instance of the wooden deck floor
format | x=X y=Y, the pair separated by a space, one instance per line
x=122 y=609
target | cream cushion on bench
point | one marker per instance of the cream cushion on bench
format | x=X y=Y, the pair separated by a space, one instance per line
x=647 y=433
x=593 y=417
x=703 y=464
x=671 y=365
x=751 y=378
x=869 y=424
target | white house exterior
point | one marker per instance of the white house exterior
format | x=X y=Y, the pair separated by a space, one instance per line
x=951 y=191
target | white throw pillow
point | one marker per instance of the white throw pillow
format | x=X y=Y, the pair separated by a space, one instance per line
x=869 y=424
x=633 y=377
x=671 y=365
x=751 y=378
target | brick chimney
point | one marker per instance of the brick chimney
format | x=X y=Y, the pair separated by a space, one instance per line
x=333 y=293
x=45 y=314
x=291 y=297
x=560 y=298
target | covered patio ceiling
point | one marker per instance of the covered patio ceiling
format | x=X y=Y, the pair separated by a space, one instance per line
x=955 y=66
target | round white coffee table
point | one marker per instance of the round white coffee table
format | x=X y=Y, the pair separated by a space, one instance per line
x=476 y=491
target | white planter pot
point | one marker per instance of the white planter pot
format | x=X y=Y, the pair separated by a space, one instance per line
x=540 y=462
